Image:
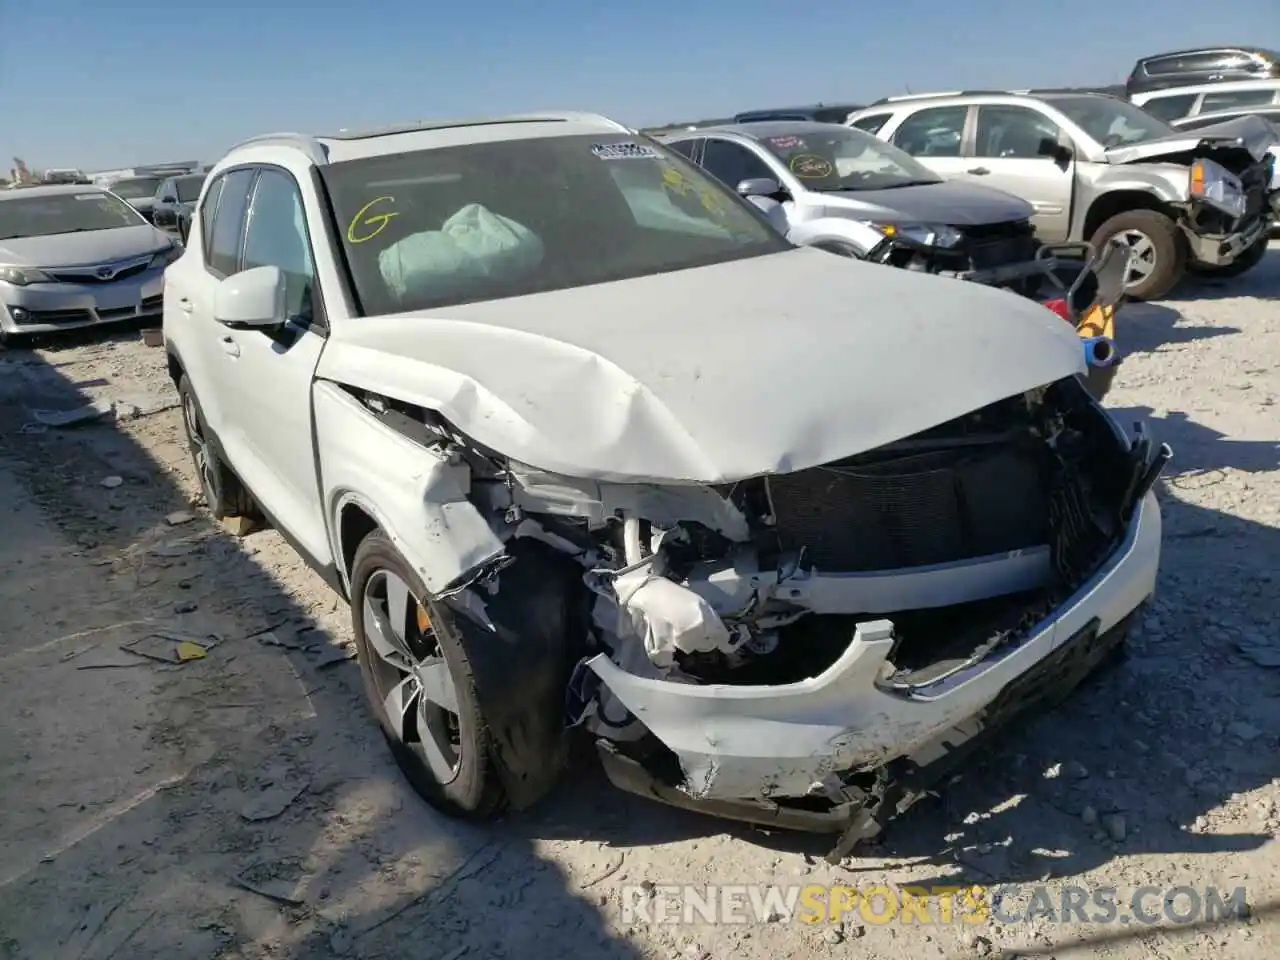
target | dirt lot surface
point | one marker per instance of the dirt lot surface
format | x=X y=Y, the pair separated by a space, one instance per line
x=241 y=804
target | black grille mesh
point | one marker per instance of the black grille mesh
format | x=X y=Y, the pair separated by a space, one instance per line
x=913 y=510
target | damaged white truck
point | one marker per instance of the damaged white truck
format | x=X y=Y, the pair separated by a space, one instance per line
x=591 y=449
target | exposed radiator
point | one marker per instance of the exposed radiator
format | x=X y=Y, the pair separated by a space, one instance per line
x=916 y=509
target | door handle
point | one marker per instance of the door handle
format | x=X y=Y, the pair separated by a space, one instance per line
x=185 y=305
x=230 y=347
x=979 y=171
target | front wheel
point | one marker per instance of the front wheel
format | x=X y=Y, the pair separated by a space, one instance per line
x=420 y=685
x=1157 y=253
x=1247 y=260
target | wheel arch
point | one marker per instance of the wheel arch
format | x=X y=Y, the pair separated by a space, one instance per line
x=1120 y=201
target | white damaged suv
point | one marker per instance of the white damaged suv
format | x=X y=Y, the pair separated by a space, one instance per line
x=587 y=444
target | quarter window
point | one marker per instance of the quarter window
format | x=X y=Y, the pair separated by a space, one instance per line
x=208 y=211
x=276 y=235
x=872 y=122
x=1012 y=133
x=932 y=132
x=223 y=252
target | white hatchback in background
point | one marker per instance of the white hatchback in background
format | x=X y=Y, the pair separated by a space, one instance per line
x=76 y=256
x=585 y=442
x=1225 y=97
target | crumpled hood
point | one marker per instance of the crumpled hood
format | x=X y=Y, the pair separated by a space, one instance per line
x=1250 y=133
x=78 y=249
x=765 y=365
x=951 y=201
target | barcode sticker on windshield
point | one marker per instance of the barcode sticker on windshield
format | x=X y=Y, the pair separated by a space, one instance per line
x=624 y=151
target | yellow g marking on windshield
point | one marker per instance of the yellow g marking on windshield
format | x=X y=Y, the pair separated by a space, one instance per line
x=378 y=222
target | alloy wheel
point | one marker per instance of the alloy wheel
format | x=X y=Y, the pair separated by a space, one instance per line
x=1142 y=257
x=200 y=447
x=414 y=685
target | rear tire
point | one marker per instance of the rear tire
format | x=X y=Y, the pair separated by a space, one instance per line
x=1162 y=250
x=1247 y=260
x=467 y=786
x=224 y=494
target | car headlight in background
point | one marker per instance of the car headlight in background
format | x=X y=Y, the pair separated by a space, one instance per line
x=1219 y=188
x=166 y=256
x=924 y=234
x=21 y=276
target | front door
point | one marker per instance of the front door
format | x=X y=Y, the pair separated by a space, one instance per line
x=1009 y=153
x=266 y=376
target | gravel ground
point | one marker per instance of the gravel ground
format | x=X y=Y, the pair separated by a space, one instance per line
x=242 y=805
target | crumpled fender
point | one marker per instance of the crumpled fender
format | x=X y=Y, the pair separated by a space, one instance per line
x=523 y=639
x=858 y=236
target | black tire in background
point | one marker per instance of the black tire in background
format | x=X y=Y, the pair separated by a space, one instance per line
x=1169 y=252
x=224 y=494
x=475 y=790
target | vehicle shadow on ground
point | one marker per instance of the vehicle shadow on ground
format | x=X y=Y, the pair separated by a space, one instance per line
x=286 y=830
x=1263 y=282
x=1146 y=327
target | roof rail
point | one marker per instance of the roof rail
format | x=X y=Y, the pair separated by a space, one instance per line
x=308 y=144
x=940 y=94
x=425 y=126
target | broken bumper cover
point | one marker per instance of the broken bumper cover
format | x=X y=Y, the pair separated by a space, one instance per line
x=743 y=750
x=1218 y=250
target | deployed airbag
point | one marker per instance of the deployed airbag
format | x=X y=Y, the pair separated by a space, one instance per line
x=474 y=245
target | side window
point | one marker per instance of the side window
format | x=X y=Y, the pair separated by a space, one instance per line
x=208 y=211
x=872 y=122
x=223 y=251
x=1229 y=100
x=1171 y=108
x=276 y=235
x=1012 y=133
x=684 y=147
x=731 y=163
x=932 y=132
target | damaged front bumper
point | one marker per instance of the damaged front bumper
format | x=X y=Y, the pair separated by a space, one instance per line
x=1218 y=250
x=763 y=754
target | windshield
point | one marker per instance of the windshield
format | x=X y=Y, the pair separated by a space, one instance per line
x=485 y=221
x=188 y=188
x=143 y=188
x=1113 y=123
x=44 y=216
x=844 y=158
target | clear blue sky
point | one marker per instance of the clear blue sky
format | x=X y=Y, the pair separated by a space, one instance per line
x=102 y=85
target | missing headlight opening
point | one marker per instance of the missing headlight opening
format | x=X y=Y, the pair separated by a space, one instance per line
x=798 y=648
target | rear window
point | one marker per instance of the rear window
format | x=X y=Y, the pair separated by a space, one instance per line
x=141 y=188
x=486 y=221
x=1188 y=63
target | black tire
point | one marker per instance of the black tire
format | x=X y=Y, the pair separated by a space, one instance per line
x=1247 y=260
x=224 y=494
x=1170 y=252
x=476 y=791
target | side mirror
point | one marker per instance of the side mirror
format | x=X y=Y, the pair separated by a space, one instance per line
x=759 y=187
x=184 y=229
x=1055 y=151
x=251 y=298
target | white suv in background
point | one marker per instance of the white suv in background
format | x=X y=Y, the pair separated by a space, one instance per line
x=585 y=442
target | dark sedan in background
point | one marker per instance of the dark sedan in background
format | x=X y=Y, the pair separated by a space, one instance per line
x=175 y=200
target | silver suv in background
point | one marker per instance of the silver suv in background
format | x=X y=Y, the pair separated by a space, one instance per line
x=1096 y=167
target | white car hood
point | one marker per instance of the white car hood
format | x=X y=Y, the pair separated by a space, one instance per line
x=711 y=375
